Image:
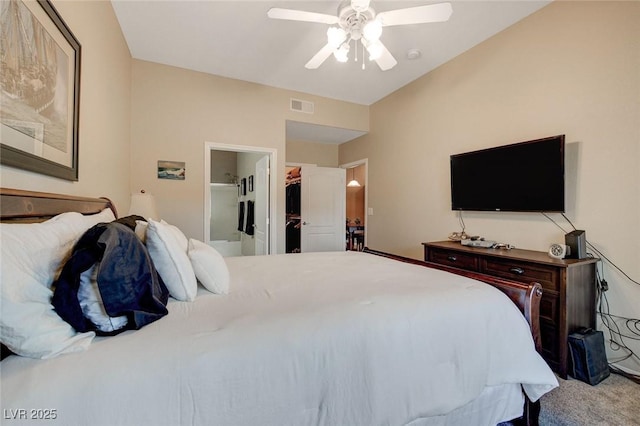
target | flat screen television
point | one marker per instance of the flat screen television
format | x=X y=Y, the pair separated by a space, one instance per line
x=521 y=177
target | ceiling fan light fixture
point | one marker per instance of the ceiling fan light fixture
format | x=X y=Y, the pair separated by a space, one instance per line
x=356 y=20
x=335 y=36
x=342 y=53
x=372 y=30
x=375 y=50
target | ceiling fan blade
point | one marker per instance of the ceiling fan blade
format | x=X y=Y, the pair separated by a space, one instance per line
x=386 y=61
x=301 y=15
x=320 y=57
x=439 y=12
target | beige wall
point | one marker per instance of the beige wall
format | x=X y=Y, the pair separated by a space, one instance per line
x=320 y=154
x=572 y=68
x=105 y=112
x=175 y=111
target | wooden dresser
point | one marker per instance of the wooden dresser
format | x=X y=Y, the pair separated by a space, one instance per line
x=569 y=288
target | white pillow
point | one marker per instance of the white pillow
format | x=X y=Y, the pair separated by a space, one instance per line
x=171 y=261
x=92 y=305
x=180 y=237
x=209 y=266
x=30 y=258
x=141 y=230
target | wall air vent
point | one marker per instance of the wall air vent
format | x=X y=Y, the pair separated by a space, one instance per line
x=301 y=106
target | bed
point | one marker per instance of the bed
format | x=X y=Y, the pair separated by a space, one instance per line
x=349 y=338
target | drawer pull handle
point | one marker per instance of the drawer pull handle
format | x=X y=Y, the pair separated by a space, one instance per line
x=452 y=258
x=517 y=271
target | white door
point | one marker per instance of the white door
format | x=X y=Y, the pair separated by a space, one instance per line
x=261 y=207
x=323 y=195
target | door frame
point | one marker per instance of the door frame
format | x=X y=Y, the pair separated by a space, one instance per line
x=362 y=162
x=273 y=189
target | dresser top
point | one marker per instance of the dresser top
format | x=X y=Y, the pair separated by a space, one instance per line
x=514 y=254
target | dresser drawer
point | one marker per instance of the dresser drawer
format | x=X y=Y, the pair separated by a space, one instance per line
x=547 y=276
x=455 y=259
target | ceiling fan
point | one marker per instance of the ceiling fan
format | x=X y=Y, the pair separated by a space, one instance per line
x=358 y=21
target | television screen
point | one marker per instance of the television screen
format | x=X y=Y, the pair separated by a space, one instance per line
x=522 y=177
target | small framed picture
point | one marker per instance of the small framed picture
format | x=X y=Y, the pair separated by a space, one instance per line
x=243 y=186
x=251 y=183
x=174 y=170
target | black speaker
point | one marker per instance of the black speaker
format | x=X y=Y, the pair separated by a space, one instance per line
x=587 y=356
x=577 y=242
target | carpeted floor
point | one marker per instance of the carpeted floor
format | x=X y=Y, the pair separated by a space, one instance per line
x=615 y=401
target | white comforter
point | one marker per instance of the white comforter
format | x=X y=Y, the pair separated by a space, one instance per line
x=302 y=339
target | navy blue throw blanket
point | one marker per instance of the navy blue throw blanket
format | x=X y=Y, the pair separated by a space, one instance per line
x=128 y=281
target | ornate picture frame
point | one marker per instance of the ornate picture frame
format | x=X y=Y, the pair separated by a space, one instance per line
x=40 y=82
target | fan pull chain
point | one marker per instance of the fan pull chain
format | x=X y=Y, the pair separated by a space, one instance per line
x=356 y=49
x=363 y=55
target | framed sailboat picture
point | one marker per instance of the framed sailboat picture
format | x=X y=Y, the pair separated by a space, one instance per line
x=40 y=89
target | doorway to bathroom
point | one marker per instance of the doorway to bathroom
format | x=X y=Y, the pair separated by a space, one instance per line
x=239 y=199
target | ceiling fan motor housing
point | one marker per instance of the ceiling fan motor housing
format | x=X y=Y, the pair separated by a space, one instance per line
x=353 y=22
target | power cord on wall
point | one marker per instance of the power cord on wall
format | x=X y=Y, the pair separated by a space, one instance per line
x=461 y=221
x=458 y=236
x=602 y=256
x=616 y=335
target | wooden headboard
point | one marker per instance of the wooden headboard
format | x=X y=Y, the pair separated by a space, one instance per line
x=17 y=205
x=525 y=295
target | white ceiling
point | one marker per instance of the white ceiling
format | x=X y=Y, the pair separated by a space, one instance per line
x=236 y=39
